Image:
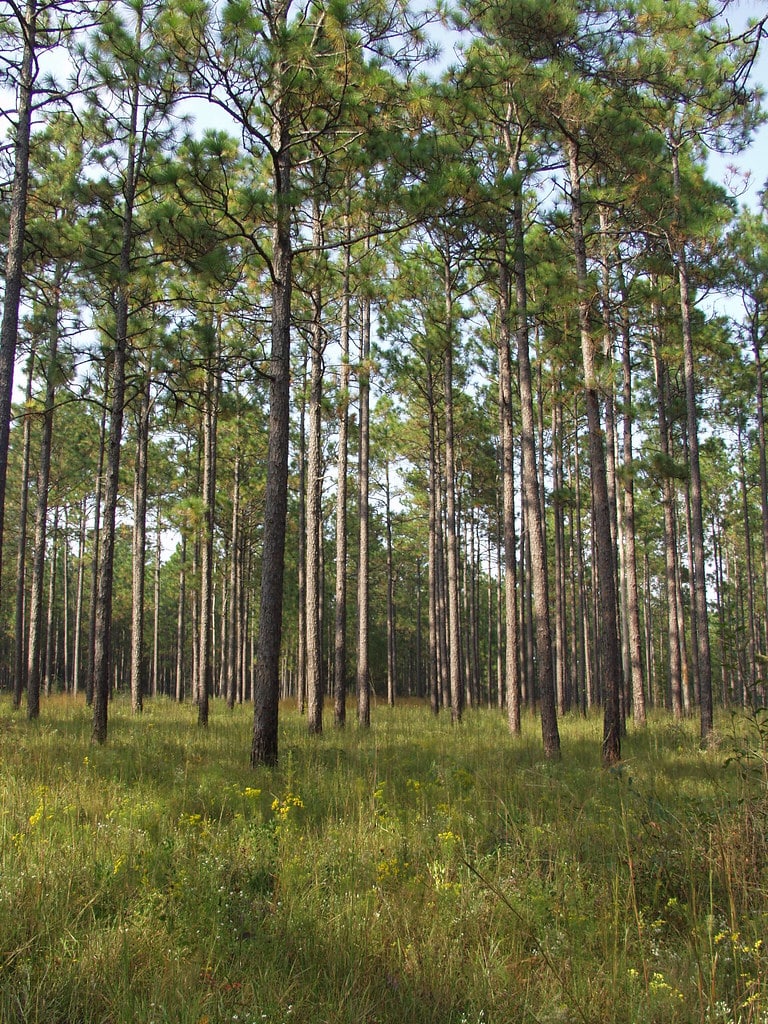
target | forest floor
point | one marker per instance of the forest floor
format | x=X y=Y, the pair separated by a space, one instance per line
x=414 y=873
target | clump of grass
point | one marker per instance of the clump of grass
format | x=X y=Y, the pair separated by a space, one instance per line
x=414 y=872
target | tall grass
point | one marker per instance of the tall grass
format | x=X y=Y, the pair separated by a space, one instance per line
x=414 y=873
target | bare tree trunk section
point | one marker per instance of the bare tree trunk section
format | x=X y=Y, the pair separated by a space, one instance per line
x=363 y=571
x=606 y=575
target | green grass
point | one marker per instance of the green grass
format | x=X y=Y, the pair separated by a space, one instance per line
x=415 y=874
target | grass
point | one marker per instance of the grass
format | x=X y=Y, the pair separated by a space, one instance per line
x=417 y=874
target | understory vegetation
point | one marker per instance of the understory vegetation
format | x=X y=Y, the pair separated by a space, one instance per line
x=416 y=872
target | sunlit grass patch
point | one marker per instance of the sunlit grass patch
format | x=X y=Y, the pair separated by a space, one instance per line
x=415 y=872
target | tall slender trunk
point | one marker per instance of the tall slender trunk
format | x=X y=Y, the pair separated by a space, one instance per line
x=35 y=651
x=452 y=552
x=155 y=684
x=340 y=625
x=20 y=633
x=391 y=646
x=266 y=675
x=138 y=580
x=14 y=264
x=314 y=512
x=630 y=547
x=181 y=618
x=432 y=567
x=79 y=594
x=102 y=649
x=363 y=596
x=539 y=571
x=233 y=632
x=606 y=575
x=699 y=582
x=506 y=427
x=49 y=654
x=206 y=638
x=755 y=330
x=670 y=537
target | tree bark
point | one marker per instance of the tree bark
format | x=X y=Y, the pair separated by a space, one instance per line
x=538 y=554
x=704 y=663
x=266 y=675
x=363 y=596
x=606 y=575
x=139 y=549
x=14 y=265
x=35 y=650
x=340 y=624
x=506 y=427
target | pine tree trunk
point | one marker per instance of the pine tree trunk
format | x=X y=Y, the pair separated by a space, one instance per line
x=266 y=675
x=20 y=632
x=606 y=575
x=233 y=632
x=35 y=651
x=452 y=554
x=538 y=554
x=181 y=617
x=630 y=547
x=14 y=264
x=391 y=647
x=363 y=598
x=139 y=549
x=206 y=637
x=314 y=521
x=512 y=636
x=340 y=625
x=703 y=659
x=79 y=595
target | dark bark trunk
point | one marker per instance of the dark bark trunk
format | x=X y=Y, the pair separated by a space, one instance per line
x=601 y=512
x=14 y=265
x=266 y=674
x=363 y=597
